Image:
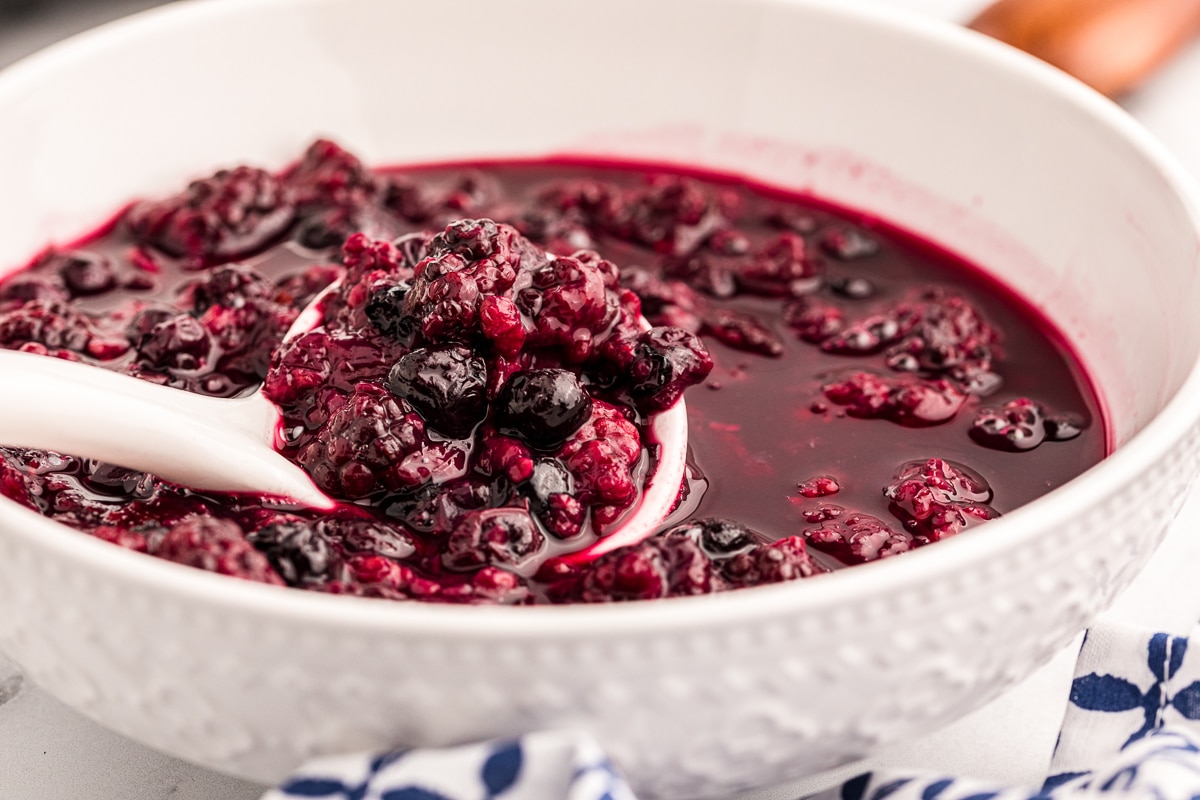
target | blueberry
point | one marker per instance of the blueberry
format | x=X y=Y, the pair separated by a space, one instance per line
x=542 y=406
x=1062 y=427
x=718 y=538
x=446 y=385
x=665 y=362
x=852 y=288
x=86 y=274
x=550 y=477
x=385 y=310
x=297 y=550
x=417 y=508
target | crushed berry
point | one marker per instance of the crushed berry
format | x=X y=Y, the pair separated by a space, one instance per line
x=550 y=491
x=782 y=268
x=907 y=401
x=665 y=361
x=855 y=538
x=936 y=498
x=130 y=540
x=821 y=486
x=479 y=388
x=814 y=321
x=742 y=331
x=215 y=545
x=848 y=244
x=234 y=213
x=498 y=536
x=1022 y=424
x=870 y=335
x=852 y=288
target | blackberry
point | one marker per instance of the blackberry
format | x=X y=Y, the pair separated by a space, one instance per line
x=938 y=498
x=905 y=400
x=365 y=444
x=782 y=560
x=22 y=288
x=215 y=545
x=328 y=175
x=658 y=567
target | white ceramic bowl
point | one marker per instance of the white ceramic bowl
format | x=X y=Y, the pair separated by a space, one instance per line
x=983 y=150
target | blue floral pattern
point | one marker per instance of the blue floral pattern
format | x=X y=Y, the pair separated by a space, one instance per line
x=541 y=766
x=1130 y=733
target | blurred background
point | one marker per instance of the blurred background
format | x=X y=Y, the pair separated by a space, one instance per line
x=29 y=25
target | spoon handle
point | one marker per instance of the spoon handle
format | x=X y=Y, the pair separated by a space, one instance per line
x=196 y=441
x=1110 y=44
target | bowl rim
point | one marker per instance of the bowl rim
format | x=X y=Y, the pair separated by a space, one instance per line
x=865 y=582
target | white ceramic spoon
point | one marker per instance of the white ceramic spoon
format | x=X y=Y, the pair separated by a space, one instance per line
x=223 y=444
x=226 y=444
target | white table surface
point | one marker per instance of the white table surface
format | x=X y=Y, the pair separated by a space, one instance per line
x=48 y=752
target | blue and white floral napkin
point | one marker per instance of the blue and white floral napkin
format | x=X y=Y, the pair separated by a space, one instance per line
x=1131 y=732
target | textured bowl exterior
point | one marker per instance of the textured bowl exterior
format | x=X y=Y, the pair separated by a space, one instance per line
x=695 y=697
x=768 y=693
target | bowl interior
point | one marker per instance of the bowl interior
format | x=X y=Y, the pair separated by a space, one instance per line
x=1046 y=186
x=805 y=97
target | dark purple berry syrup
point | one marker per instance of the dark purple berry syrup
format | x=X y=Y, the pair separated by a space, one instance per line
x=478 y=393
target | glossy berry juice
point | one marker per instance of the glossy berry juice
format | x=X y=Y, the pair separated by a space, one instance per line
x=478 y=394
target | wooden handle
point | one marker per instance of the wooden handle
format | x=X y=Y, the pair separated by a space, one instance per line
x=1110 y=44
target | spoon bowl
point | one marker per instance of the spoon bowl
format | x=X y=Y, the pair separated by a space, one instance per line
x=228 y=444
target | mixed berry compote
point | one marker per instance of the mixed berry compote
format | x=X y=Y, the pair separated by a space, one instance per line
x=478 y=392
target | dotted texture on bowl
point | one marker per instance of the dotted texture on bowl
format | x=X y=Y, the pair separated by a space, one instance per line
x=698 y=712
